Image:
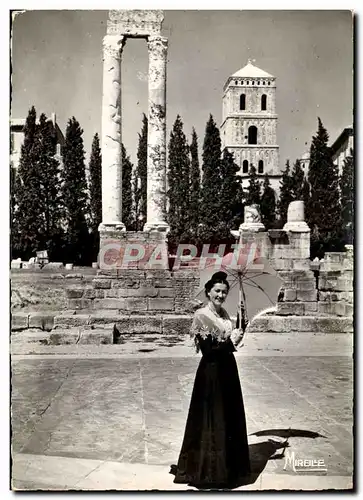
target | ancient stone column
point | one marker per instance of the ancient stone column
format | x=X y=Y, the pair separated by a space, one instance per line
x=111 y=134
x=156 y=148
x=296 y=218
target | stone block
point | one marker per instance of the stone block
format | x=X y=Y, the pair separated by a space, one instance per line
x=110 y=303
x=278 y=324
x=133 y=274
x=30 y=337
x=97 y=336
x=178 y=325
x=310 y=307
x=158 y=274
x=53 y=265
x=125 y=283
x=42 y=320
x=166 y=292
x=79 y=304
x=74 y=293
x=259 y=324
x=112 y=293
x=306 y=285
x=74 y=276
x=289 y=294
x=137 y=303
x=71 y=320
x=139 y=324
x=142 y=291
x=281 y=264
x=162 y=304
x=15 y=264
x=161 y=283
x=64 y=337
x=93 y=293
x=101 y=283
x=307 y=295
x=328 y=296
x=104 y=318
x=349 y=309
x=335 y=325
x=344 y=285
x=328 y=284
x=332 y=308
x=301 y=264
x=56 y=276
x=290 y=308
x=19 y=321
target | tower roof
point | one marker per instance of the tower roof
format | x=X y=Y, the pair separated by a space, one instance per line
x=251 y=71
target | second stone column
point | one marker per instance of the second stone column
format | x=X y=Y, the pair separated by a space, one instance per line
x=156 y=161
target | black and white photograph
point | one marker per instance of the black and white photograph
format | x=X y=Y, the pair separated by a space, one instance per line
x=182 y=250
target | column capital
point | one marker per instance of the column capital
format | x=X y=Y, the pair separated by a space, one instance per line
x=157 y=45
x=113 y=45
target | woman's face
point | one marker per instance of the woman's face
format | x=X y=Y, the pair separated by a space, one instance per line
x=218 y=294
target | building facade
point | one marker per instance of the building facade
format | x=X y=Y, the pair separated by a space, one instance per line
x=341 y=147
x=17 y=139
x=249 y=123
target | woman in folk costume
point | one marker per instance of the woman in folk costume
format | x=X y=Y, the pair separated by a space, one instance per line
x=214 y=452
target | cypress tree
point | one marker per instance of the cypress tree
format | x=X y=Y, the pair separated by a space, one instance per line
x=95 y=183
x=50 y=184
x=140 y=186
x=253 y=192
x=324 y=204
x=347 y=197
x=195 y=187
x=28 y=216
x=268 y=204
x=231 y=195
x=74 y=191
x=127 y=216
x=211 y=201
x=286 y=196
x=306 y=196
x=178 y=184
x=297 y=181
x=14 y=239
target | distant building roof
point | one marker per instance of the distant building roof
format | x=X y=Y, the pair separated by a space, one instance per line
x=17 y=124
x=347 y=132
x=252 y=71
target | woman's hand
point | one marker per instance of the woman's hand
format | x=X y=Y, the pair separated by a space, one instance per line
x=237 y=336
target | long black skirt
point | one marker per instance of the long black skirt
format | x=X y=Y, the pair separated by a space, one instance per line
x=214 y=452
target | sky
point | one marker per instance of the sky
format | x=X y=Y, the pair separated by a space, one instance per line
x=57 y=67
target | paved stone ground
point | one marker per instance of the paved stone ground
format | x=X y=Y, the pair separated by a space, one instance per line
x=116 y=421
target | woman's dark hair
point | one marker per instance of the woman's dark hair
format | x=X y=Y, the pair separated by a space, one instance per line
x=219 y=277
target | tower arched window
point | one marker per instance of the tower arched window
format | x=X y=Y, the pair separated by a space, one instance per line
x=264 y=102
x=260 y=166
x=242 y=102
x=252 y=135
x=245 y=166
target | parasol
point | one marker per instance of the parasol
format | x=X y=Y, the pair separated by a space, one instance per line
x=254 y=284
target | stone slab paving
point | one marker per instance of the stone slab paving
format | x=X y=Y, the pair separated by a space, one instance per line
x=118 y=423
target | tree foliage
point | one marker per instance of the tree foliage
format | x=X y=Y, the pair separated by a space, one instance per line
x=75 y=198
x=140 y=186
x=195 y=185
x=127 y=212
x=286 y=193
x=268 y=204
x=347 y=197
x=178 y=185
x=324 y=212
x=253 y=192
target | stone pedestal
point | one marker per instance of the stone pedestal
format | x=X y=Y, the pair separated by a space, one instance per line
x=156 y=148
x=125 y=250
x=296 y=218
x=111 y=134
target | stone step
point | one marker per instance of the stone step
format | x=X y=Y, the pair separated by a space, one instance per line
x=66 y=336
x=318 y=324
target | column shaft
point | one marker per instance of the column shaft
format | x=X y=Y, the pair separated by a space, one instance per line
x=111 y=133
x=156 y=161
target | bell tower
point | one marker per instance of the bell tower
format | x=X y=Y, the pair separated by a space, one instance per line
x=249 y=123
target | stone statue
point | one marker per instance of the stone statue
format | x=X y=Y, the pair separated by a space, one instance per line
x=252 y=220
